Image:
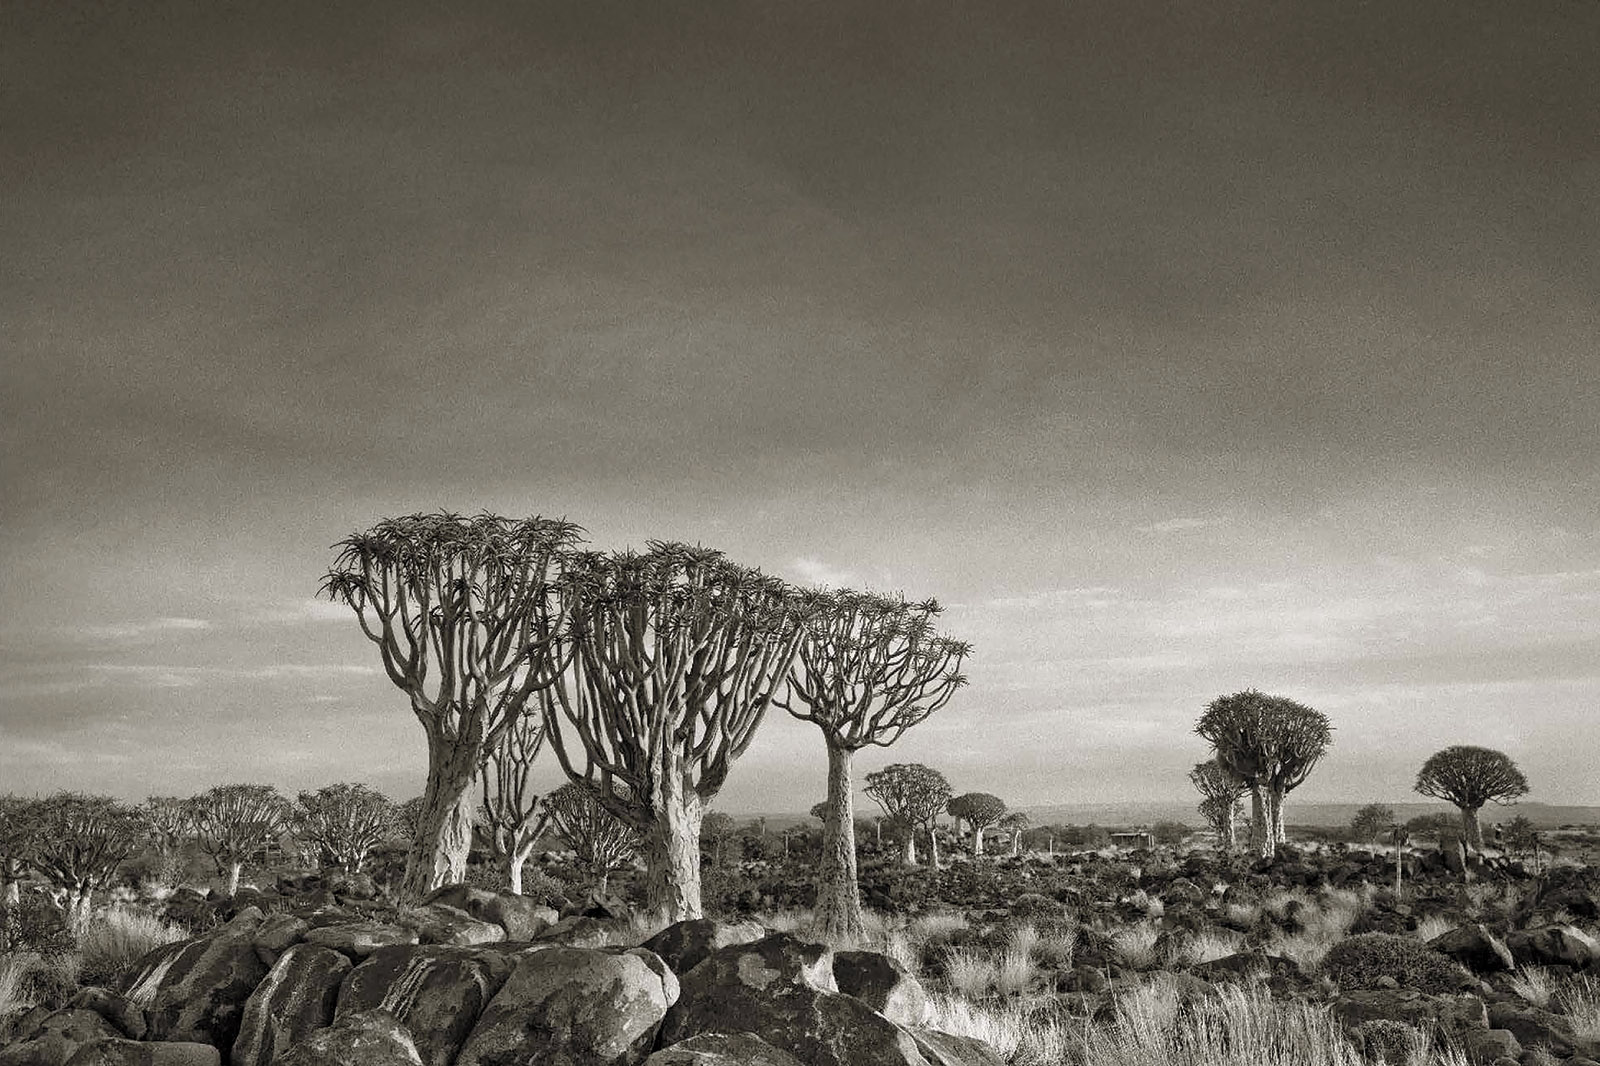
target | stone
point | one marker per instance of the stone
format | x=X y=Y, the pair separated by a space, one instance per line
x=368 y=1038
x=1453 y=1012
x=722 y=1049
x=1533 y=1026
x=113 y=1007
x=277 y=933
x=58 y=1038
x=882 y=984
x=358 y=887
x=947 y=1049
x=1486 y=1045
x=684 y=945
x=142 y=1053
x=359 y=939
x=570 y=1006
x=439 y=924
x=580 y=932
x=201 y=996
x=521 y=917
x=1554 y=945
x=146 y=975
x=294 y=1000
x=1474 y=947
x=437 y=992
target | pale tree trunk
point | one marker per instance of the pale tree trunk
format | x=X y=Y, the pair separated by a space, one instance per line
x=1472 y=830
x=1230 y=830
x=80 y=905
x=672 y=847
x=602 y=883
x=908 y=848
x=933 y=845
x=977 y=841
x=1275 y=796
x=521 y=852
x=838 y=908
x=1263 y=841
x=1016 y=845
x=235 y=868
x=12 y=893
x=443 y=841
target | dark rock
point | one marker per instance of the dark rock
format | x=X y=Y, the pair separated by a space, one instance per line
x=1486 y=1045
x=360 y=939
x=684 y=945
x=58 y=1037
x=440 y=924
x=371 y=1038
x=140 y=1053
x=436 y=992
x=113 y=1007
x=1475 y=948
x=352 y=886
x=722 y=1049
x=882 y=984
x=294 y=1000
x=579 y=932
x=1554 y=945
x=277 y=933
x=1453 y=1012
x=945 y=1049
x=521 y=917
x=1532 y=1026
x=202 y=995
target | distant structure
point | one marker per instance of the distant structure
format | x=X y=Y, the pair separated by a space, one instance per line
x=1140 y=838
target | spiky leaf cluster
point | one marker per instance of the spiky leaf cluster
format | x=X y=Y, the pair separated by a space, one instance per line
x=909 y=793
x=82 y=839
x=980 y=810
x=345 y=822
x=600 y=839
x=1470 y=776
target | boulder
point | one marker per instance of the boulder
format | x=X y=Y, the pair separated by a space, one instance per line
x=722 y=1049
x=882 y=984
x=113 y=1007
x=357 y=887
x=277 y=933
x=439 y=924
x=437 y=992
x=1554 y=945
x=1474 y=947
x=947 y=1049
x=58 y=1038
x=572 y=1007
x=141 y=1053
x=202 y=995
x=359 y=939
x=369 y=1038
x=521 y=917
x=684 y=945
x=1532 y=1026
x=294 y=1000
x=1451 y=1012
x=146 y=975
x=579 y=932
x=1484 y=1046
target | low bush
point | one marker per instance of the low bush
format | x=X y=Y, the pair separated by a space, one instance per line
x=1362 y=959
x=112 y=941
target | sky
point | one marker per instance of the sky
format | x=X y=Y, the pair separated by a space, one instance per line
x=1175 y=348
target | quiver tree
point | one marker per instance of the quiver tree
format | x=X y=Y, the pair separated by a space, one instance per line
x=235 y=823
x=467 y=625
x=1370 y=820
x=1271 y=743
x=170 y=822
x=19 y=833
x=979 y=810
x=869 y=668
x=676 y=654
x=343 y=823
x=81 y=841
x=1470 y=777
x=601 y=841
x=913 y=796
x=1014 y=824
x=1220 y=791
x=512 y=812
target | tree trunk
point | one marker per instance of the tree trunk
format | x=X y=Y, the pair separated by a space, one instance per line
x=235 y=868
x=521 y=851
x=11 y=894
x=602 y=883
x=443 y=841
x=1262 y=840
x=80 y=905
x=1472 y=831
x=1230 y=831
x=672 y=848
x=838 y=910
x=977 y=841
x=1016 y=845
x=1275 y=797
x=933 y=845
x=908 y=848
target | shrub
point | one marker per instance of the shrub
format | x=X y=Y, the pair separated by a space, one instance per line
x=1361 y=960
x=1393 y=1043
x=37 y=925
x=1580 y=1001
x=1135 y=946
x=111 y=942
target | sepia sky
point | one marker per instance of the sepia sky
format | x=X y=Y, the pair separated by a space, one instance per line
x=1176 y=348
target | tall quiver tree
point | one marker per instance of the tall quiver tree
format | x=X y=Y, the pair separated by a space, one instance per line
x=512 y=811
x=465 y=617
x=1269 y=742
x=81 y=841
x=979 y=810
x=1220 y=791
x=344 y=822
x=870 y=668
x=19 y=835
x=913 y=796
x=1470 y=777
x=601 y=841
x=170 y=821
x=676 y=654
x=234 y=823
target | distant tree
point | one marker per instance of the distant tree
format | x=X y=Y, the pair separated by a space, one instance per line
x=1220 y=791
x=1014 y=825
x=677 y=655
x=1431 y=826
x=1520 y=834
x=717 y=829
x=511 y=810
x=407 y=817
x=81 y=842
x=1169 y=834
x=1272 y=743
x=19 y=838
x=466 y=621
x=819 y=810
x=1470 y=777
x=170 y=822
x=979 y=810
x=913 y=796
x=236 y=823
x=1370 y=820
x=343 y=823
x=869 y=668
x=601 y=841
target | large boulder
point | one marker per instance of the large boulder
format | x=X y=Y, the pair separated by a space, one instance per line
x=684 y=945
x=1533 y=1026
x=294 y=1000
x=439 y=924
x=1554 y=945
x=882 y=984
x=1474 y=947
x=436 y=991
x=113 y=1007
x=580 y=932
x=947 y=1049
x=359 y=939
x=1453 y=1013
x=277 y=933
x=722 y=1049
x=201 y=996
x=57 y=1038
x=141 y=1053
x=370 y=1038
x=521 y=917
x=566 y=1006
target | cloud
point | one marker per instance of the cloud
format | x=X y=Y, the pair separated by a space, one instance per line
x=134 y=630
x=816 y=572
x=1180 y=525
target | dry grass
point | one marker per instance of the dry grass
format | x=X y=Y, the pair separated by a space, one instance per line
x=1135 y=946
x=1534 y=984
x=1435 y=925
x=111 y=941
x=14 y=998
x=1019 y=1039
x=1580 y=1001
x=1205 y=946
x=969 y=972
x=1245 y=914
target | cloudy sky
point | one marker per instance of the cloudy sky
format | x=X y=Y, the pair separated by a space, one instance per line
x=1176 y=348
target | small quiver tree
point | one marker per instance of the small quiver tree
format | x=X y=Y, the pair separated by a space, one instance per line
x=1470 y=777
x=19 y=831
x=869 y=668
x=676 y=654
x=913 y=796
x=601 y=841
x=1220 y=792
x=467 y=624
x=1372 y=820
x=343 y=823
x=170 y=824
x=81 y=842
x=235 y=823
x=980 y=811
x=512 y=811
x=1014 y=825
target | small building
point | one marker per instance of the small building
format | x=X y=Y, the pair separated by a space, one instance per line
x=1136 y=839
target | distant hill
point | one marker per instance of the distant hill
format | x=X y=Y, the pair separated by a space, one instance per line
x=1543 y=815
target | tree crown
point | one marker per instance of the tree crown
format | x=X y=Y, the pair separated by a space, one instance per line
x=1470 y=776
